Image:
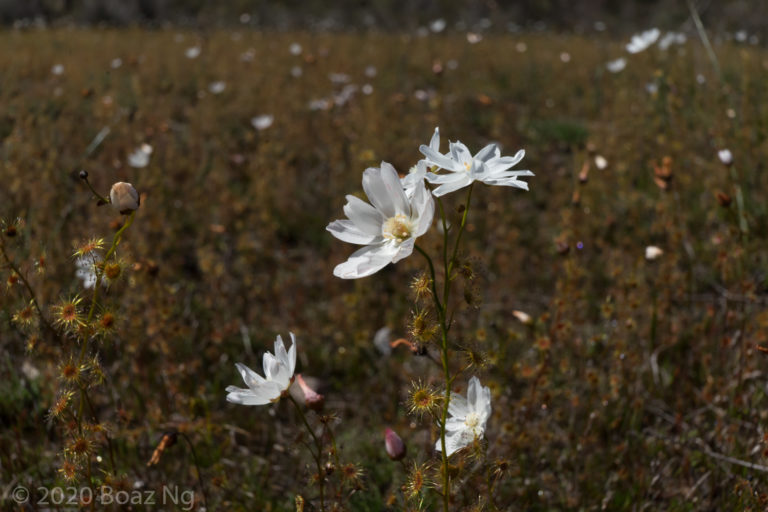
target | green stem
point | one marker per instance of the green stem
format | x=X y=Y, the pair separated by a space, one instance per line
x=197 y=467
x=445 y=326
x=26 y=284
x=320 y=475
x=705 y=39
x=436 y=299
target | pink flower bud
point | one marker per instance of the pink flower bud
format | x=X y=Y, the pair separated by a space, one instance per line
x=314 y=400
x=124 y=197
x=394 y=445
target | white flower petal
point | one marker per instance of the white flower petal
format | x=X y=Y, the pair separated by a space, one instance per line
x=488 y=152
x=452 y=187
x=440 y=179
x=262 y=396
x=435 y=158
x=347 y=231
x=271 y=366
x=365 y=216
x=292 y=354
x=365 y=261
x=434 y=143
x=250 y=377
x=378 y=193
x=404 y=250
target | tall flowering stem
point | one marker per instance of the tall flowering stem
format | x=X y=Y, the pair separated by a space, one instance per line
x=445 y=320
x=402 y=210
x=317 y=456
x=82 y=388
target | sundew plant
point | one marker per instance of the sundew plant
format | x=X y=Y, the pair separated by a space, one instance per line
x=399 y=211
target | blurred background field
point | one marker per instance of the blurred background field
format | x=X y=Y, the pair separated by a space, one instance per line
x=640 y=384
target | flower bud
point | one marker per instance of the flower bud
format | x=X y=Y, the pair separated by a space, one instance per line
x=124 y=197
x=314 y=400
x=725 y=156
x=652 y=252
x=523 y=317
x=394 y=445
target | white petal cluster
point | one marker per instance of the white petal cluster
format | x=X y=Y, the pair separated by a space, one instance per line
x=86 y=270
x=418 y=172
x=641 y=42
x=140 y=156
x=387 y=228
x=725 y=156
x=463 y=168
x=616 y=66
x=468 y=417
x=278 y=376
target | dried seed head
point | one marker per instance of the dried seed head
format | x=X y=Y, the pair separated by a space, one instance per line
x=423 y=399
x=90 y=246
x=422 y=328
x=113 y=270
x=25 y=317
x=80 y=446
x=723 y=199
x=417 y=481
x=68 y=470
x=67 y=314
x=351 y=473
x=421 y=286
x=61 y=404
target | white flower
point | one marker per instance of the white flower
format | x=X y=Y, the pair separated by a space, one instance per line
x=468 y=417
x=652 y=252
x=473 y=38
x=487 y=166
x=387 y=228
x=262 y=122
x=217 y=87
x=86 y=270
x=616 y=66
x=295 y=49
x=600 y=162
x=671 y=38
x=725 y=156
x=418 y=172
x=437 y=25
x=641 y=42
x=192 y=52
x=140 y=156
x=57 y=69
x=278 y=376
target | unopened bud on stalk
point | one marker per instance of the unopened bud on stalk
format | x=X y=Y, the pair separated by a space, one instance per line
x=124 y=197
x=523 y=317
x=394 y=445
x=314 y=400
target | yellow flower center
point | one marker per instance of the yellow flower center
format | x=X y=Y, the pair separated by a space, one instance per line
x=398 y=228
x=472 y=421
